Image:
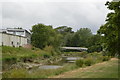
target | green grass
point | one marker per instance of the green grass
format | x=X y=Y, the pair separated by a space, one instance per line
x=12 y=55
x=108 y=69
x=37 y=73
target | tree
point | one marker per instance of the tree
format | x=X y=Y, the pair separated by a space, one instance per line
x=81 y=36
x=43 y=35
x=94 y=40
x=64 y=30
x=40 y=35
x=68 y=39
x=111 y=29
x=94 y=43
x=66 y=33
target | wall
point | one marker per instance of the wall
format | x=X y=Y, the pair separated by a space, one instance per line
x=28 y=35
x=12 y=40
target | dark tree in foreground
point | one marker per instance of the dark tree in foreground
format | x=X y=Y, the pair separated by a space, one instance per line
x=111 y=29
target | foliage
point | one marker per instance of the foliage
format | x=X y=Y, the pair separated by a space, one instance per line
x=81 y=36
x=66 y=33
x=106 y=58
x=95 y=48
x=111 y=28
x=49 y=49
x=68 y=39
x=92 y=58
x=89 y=61
x=71 y=38
x=43 y=35
x=94 y=43
x=79 y=62
x=64 y=30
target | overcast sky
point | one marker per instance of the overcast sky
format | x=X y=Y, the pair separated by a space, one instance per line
x=76 y=14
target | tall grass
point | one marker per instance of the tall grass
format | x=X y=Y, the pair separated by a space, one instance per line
x=11 y=52
x=38 y=73
x=92 y=58
x=12 y=55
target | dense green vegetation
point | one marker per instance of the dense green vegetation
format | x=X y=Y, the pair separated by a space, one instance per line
x=92 y=58
x=111 y=29
x=43 y=35
x=11 y=55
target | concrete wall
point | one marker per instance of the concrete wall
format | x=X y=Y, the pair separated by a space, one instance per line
x=12 y=40
x=28 y=35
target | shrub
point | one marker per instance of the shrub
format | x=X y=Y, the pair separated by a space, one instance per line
x=50 y=50
x=83 y=54
x=79 y=62
x=106 y=58
x=88 y=61
x=46 y=55
x=10 y=60
x=33 y=48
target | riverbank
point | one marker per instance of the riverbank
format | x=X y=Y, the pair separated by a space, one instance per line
x=107 y=69
x=37 y=63
x=16 y=57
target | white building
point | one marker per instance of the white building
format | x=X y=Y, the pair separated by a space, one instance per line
x=14 y=37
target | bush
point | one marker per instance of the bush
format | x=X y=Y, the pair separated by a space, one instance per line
x=79 y=62
x=50 y=50
x=95 y=48
x=106 y=58
x=46 y=55
x=88 y=61
x=10 y=60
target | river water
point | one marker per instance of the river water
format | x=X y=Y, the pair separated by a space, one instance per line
x=67 y=60
x=50 y=67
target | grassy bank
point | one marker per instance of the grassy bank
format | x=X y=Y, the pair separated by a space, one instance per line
x=107 y=69
x=12 y=55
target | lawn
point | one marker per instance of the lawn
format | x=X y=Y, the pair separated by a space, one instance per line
x=107 y=69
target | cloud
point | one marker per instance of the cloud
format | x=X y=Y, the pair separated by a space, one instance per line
x=78 y=14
